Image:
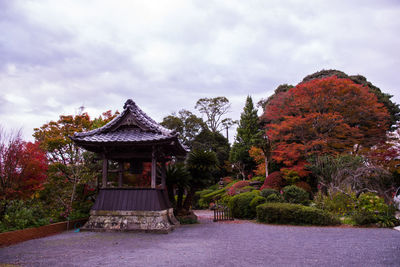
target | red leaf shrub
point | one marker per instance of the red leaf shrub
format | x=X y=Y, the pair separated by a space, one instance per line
x=227 y=180
x=274 y=181
x=235 y=186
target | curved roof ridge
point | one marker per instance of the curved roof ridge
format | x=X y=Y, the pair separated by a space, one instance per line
x=140 y=115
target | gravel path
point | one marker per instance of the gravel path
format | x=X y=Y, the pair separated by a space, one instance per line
x=238 y=243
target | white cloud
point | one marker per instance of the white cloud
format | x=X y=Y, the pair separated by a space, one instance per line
x=58 y=55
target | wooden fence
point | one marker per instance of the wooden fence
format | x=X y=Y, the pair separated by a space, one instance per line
x=222 y=213
x=14 y=237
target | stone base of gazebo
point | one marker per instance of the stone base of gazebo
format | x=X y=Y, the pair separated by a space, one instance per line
x=162 y=221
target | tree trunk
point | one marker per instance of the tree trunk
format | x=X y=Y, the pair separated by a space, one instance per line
x=189 y=199
x=171 y=196
x=179 y=202
x=266 y=167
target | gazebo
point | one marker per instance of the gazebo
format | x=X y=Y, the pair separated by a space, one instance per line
x=133 y=147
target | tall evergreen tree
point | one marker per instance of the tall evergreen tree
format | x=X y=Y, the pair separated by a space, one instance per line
x=248 y=135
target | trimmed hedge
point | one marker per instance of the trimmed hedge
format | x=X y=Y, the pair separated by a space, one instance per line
x=240 y=205
x=268 y=191
x=275 y=198
x=286 y=213
x=258 y=200
x=294 y=194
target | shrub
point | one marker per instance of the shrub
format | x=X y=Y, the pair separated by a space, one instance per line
x=214 y=195
x=259 y=178
x=275 y=198
x=233 y=189
x=290 y=176
x=227 y=180
x=274 y=181
x=258 y=200
x=305 y=186
x=294 y=194
x=199 y=202
x=339 y=203
x=286 y=213
x=268 y=191
x=187 y=219
x=371 y=209
x=240 y=205
x=245 y=189
x=20 y=215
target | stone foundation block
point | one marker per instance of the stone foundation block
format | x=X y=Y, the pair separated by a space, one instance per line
x=162 y=221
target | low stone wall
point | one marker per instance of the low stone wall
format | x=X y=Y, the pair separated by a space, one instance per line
x=14 y=237
x=162 y=221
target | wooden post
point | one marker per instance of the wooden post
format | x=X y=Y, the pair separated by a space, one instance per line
x=105 y=172
x=153 y=168
x=120 y=172
x=163 y=175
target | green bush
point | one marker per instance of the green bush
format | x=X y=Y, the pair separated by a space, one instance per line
x=268 y=191
x=259 y=178
x=214 y=194
x=199 y=202
x=275 y=198
x=240 y=205
x=188 y=219
x=338 y=203
x=286 y=213
x=244 y=189
x=258 y=200
x=296 y=195
x=19 y=215
x=372 y=209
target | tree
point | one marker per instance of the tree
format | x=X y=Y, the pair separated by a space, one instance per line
x=346 y=173
x=328 y=115
x=178 y=180
x=69 y=162
x=248 y=134
x=393 y=108
x=23 y=167
x=187 y=124
x=216 y=142
x=200 y=165
x=214 y=109
x=280 y=89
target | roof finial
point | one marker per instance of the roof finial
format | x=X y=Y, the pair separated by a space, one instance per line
x=128 y=103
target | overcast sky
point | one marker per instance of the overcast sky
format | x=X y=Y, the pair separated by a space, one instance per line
x=56 y=56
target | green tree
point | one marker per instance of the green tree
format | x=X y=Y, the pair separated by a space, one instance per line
x=248 y=135
x=187 y=124
x=201 y=165
x=216 y=142
x=178 y=180
x=214 y=109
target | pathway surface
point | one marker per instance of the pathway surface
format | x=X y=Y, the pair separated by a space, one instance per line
x=238 y=243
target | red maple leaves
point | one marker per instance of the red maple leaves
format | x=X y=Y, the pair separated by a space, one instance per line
x=329 y=115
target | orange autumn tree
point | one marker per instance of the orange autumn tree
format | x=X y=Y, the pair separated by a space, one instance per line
x=70 y=165
x=323 y=116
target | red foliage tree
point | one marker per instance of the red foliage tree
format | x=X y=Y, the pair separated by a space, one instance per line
x=329 y=115
x=23 y=167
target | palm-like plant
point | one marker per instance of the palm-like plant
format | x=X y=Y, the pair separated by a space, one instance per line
x=177 y=177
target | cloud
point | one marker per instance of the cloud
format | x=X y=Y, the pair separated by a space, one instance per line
x=56 y=56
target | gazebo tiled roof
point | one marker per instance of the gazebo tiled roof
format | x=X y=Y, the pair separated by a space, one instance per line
x=132 y=126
